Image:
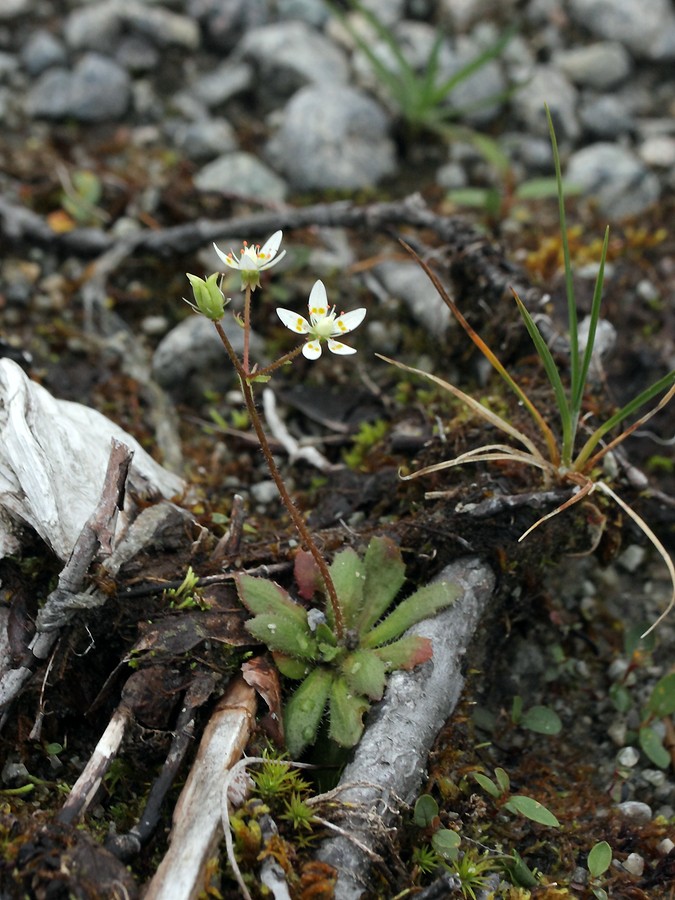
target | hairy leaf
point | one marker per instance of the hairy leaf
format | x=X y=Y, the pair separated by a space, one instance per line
x=348 y=573
x=385 y=574
x=423 y=604
x=304 y=710
x=365 y=673
x=406 y=653
x=346 y=714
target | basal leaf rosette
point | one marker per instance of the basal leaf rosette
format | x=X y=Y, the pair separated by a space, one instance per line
x=344 y=676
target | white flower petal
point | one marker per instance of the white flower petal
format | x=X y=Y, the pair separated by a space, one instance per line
x=312 y=350
x=340 y=348
x=271 y=262
x=271 y=246
x=227 y=258
x=349 y=321
x=292 y=320
x=318 y=301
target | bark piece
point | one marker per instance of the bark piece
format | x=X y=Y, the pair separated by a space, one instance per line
x=389 y=761
x=197 y=818
x=53 y=459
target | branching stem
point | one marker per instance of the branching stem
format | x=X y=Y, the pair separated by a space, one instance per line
x=296 y=518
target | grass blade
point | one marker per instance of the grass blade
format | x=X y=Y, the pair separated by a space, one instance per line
x=474 y=65
x=554 y=378
x=578 y=395
x=582 y=462
x=569 y=283
x=492 y=359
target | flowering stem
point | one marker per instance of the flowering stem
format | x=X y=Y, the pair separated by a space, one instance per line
x=296 y=518
x=287 y=357
x=247 y=327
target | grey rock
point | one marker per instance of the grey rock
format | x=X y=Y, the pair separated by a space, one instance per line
x=226 y=21
x=605 y=116
x=408 y=282
x=8 y=66
x=242 y=174
x=601 y=65
x=41 y=51
x=11 y=9
x=616 y=177
x=640 y=813
x=647 y=29
x=136 y=54
x=314 y=12
x=287 y=56
x=547 y=85
x=94 y=27
x=163 y=27
x=99 y=26
x=225 y=82
x=658 y=151
x=203 y=139
x=97 y=90
x=333 y=137
x=193 y=349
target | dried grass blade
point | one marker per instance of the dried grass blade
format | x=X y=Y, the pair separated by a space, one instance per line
x=665 y=556
x=473 y=404
x=490 y=356
x=583 y=492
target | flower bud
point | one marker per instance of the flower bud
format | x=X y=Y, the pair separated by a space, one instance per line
x=209 y=299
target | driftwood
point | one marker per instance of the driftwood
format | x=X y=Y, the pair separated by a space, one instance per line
x=197 y=817
x=389 y=762
x=480 y=261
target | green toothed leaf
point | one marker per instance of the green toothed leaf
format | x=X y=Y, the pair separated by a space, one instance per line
x=303 y=712
x=423 y=604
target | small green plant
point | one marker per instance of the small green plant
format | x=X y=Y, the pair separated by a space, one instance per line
x=599 y=860
x=277 y=780
x=517 y=804
x=80 y=197
x=557 y=457
x=659 y=705
x=187 y=595
x=540 y=719
x=420 y=97
x=365 y=439
x=344 y=672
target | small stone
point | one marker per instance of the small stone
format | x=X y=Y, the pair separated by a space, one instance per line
x=637 y=812
x=601 y=65
x=153 y=326
x=627 y=756
x=547 y=85
x=223 y=83
x=242 y=174
x=658 y=151
x=616 y=177
x=655 y=777
x=665 y=847
x=204 y=139
x=10 y=9
x=646 y=29
x=634 y=864
x=406 y=281
x=264 y=492
x=632 y=558
x=41 y=51
x=606 y=116
x=333 y=137
x=287 y=56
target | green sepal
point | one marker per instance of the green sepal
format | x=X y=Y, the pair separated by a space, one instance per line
x=303 y=712
x=279 y=623
x=423 y=604
x=405 y=653
x=348 y=573
x=365 y=673
x=385 y=573
x=346 y=714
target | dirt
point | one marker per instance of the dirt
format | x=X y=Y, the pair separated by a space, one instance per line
x=559 y=621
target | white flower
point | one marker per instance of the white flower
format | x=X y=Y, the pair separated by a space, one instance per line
x=254 y=260
x=323 y=325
